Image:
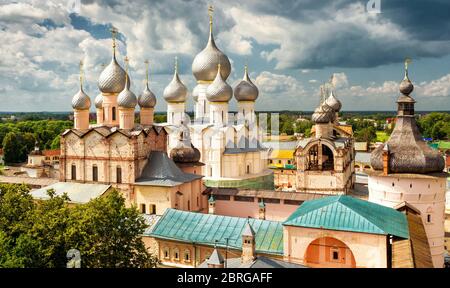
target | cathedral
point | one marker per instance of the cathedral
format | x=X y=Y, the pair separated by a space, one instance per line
x=229 y=146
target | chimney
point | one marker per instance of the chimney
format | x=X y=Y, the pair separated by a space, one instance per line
x=386 y=159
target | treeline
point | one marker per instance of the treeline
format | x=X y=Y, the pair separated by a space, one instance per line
x=18 y=138
x=435 y=125
x=39 y=234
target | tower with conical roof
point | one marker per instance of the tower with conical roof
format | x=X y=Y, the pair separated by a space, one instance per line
x=406 y=169
x=81 y=104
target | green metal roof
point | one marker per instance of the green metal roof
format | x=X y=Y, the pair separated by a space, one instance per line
x=349 y=214
x=205 y=229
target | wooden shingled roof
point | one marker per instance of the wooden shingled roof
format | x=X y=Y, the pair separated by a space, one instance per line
x=415 y=251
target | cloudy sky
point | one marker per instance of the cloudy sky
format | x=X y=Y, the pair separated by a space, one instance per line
x=291 y=47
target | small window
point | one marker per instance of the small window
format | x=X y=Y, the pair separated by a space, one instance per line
x=410 y=185
x=114 y=113
x=289 y=161
x=335 y=255
x=152 y=209
x=119 y=174
x=187 y=256
x=248 y=169
x=74 y=172
x=428 y=218
x=393 y=184
x=189 y=205
x=94 y=173
x=166 y=253
x=143 y=208
x=279 y=161
x=176 y=254
x=270 y=161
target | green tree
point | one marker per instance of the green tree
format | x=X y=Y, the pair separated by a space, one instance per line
x=39 y=234
x=56 y=142
x=13 y=148
x=367 y=134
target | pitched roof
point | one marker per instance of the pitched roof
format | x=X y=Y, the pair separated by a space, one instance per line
x=414 y=252
x=346 y=213
x=160 y=170
x=79 y=193
x=282 y=154
x=248 y=230
x=216 y=258
x=205 y=229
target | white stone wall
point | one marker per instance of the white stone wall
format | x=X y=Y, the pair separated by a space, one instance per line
x=426 y=194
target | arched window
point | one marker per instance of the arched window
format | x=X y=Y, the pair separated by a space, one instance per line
x=74 y=172
x=327 y=158
x=94 y=173
x=143 y=208
x=114 y=113
x=313 y=158
x=187 y=256
x=166 y=253
x=176 y=254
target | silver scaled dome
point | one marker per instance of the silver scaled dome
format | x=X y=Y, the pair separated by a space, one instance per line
x=323 y=114
x=147 y=99
x=112 y=79
x=219 y=90
x=246 y=90
x=204 y=66
x=333 y=102
x=81 y=100
x=175 y=92
x=126 y=98
x=99 y=101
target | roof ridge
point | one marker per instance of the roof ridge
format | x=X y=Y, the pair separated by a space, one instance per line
x=364 y=215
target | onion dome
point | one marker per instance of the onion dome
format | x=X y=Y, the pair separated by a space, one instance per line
x=99 y=101
x=126 y=98
x=406 y=87
x=333 y=102
x=204 y=66
x=219 y=90
x=81 y=100
x=147 y=99
x=184 y=151
x=408 y=153
x=175 y=92
x=112 y=78
x=323 y=114
x=246 y=90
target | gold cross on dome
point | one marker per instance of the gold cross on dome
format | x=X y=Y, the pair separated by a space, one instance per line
x=407 y=61
x=146 y=70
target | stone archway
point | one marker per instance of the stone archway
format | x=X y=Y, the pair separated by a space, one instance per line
x=328 y=252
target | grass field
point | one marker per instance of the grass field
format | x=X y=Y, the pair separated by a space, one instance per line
x=382 y=136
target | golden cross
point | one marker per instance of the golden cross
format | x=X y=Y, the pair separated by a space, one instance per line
x=407 y=61
x=176 y=64
x=210 y=13
x=146 y=68
x=114 y=32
